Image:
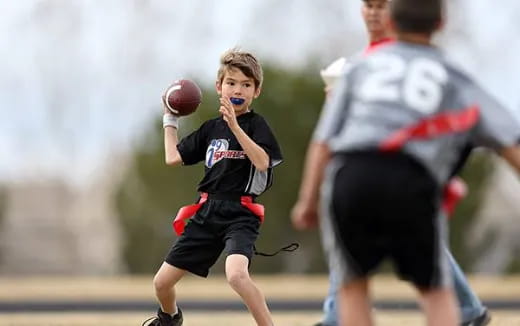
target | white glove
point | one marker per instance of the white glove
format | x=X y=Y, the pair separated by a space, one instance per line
x=333 y=71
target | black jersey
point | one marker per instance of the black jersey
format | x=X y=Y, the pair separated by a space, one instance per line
x=227 y=168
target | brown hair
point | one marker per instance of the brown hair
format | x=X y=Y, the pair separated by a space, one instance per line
x=416 y=16
x=245 y=61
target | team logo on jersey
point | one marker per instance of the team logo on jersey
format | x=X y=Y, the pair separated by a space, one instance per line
x=218 y=150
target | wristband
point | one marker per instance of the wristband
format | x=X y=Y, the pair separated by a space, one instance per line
x=170 y=120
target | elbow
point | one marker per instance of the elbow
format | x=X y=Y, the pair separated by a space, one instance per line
x=262 y=167
x=261 y=162
x=173 y=160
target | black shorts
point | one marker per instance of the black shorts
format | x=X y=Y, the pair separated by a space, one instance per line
x=382 y=205
x=218 y=225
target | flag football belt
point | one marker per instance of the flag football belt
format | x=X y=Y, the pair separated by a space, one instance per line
x=187 y=212
x=454 y=192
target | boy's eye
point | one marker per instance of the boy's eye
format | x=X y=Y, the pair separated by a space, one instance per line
x=247 y=85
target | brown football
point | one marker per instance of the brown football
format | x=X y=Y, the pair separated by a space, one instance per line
x=183 y=97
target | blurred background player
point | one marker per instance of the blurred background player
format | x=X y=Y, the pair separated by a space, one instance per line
x=401 y=119
x=472 y=311
x=372 y=13
x=240 y=151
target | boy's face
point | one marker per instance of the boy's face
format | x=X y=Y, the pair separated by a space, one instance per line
x=375 y=13
x=236 y=84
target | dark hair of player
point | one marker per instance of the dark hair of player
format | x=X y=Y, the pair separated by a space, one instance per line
x=416 y=16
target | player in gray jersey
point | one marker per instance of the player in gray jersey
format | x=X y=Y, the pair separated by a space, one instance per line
x=472 y=311
x=390 y=137
x=406 y=97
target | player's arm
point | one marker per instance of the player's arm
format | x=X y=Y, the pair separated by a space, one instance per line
x=172 y=156
x=512 y=155
x=318 y=155
x=497 y=128
x=305 y=212
x=171 y=124
x=256 y=154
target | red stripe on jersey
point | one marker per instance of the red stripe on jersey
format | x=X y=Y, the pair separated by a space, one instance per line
x=432 y=127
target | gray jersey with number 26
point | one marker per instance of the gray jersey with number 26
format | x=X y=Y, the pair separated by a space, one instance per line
x=407 y=97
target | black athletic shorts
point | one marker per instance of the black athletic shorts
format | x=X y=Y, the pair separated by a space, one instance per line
x=219 y=225
x=384 y=205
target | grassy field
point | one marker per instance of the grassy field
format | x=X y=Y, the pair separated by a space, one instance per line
x=280 y=287
x=216 y=287
x=221 y=319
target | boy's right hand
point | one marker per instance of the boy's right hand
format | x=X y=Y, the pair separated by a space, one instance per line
x=169 y=118
x=304 y=216
x=165 y=108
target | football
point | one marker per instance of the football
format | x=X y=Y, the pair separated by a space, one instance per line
x=182 y=97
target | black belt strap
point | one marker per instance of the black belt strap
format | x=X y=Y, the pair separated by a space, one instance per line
x=289 y=248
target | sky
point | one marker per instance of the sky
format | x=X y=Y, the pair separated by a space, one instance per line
x=80 y=82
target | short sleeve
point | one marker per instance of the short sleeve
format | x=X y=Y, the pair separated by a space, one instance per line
x=334 y=111
x=497 y=127
x=192 y=148
x=264 y=137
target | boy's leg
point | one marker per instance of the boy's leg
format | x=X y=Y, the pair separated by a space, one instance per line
x=164 y=282
x=354 y=304
x=439 y=305
x=469 y=303
x=238 y=277
x=350 y=224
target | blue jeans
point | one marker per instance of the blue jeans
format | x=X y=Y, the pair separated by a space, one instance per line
x=330 y=313
x=470 y=305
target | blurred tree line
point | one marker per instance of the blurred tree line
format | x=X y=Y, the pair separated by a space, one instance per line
x=151 y=192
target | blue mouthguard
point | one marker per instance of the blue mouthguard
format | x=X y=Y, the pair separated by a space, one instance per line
x=237 y=101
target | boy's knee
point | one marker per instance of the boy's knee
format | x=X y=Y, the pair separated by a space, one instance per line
x=237 y=277
x=160 y=284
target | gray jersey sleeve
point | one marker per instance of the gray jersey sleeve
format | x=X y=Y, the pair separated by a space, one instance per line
x=334 y=111
x=497 y=127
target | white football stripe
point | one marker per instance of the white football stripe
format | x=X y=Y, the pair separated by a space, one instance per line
x=168 y=93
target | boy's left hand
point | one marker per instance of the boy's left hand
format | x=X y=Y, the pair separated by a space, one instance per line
x=228 y=113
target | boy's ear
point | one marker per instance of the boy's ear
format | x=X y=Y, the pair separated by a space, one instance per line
x=218 y=87
x=258 y=91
